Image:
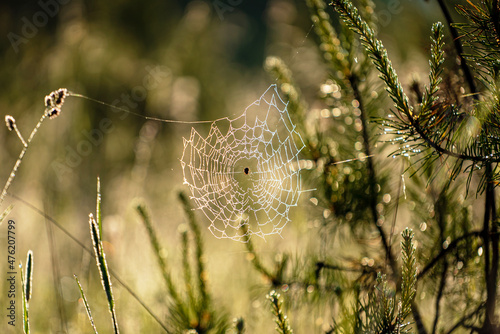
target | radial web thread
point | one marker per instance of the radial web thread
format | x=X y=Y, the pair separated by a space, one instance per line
x=246 y=171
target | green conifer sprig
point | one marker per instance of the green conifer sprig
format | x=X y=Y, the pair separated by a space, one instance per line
x=330 y=42
x=178 y=310
x=200 y=259
x=281 y=320
x=436 y=68
x=382 y=312
x=191 y=310
x=377 y=52
x=408 y=274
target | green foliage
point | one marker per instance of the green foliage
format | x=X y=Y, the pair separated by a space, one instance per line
x=193 y=310
x=26 y=291
x=436 y=69
x=408 y=275
x=102 y=265
x=86 y=304
x=481 y=36
x=283 y=327
x=381 y=312
x=340 y=270
x=448 y=131
x=462 y=132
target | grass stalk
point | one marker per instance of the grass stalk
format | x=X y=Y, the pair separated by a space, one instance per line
x=86 y=304
x=102 y=265
x=53 y=105
x=27 y=281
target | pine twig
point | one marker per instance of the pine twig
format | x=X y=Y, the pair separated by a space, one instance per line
x=200 y=260
x=277 y=309
x=158 y=251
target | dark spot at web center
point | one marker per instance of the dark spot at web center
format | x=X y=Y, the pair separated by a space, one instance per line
x=246 y=170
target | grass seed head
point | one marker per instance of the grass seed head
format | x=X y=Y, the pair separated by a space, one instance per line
x=10 y=122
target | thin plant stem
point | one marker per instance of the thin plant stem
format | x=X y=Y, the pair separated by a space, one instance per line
x=490 y=237
x=20 y=158
x=452 y=246
x=256 y=262
x=56 y=274
x=439 y=296
x=86 y=304
x=372 y=178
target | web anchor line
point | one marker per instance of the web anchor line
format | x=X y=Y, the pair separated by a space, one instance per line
x=246 y=171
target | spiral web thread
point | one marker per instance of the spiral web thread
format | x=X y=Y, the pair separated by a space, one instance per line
x=247 y=170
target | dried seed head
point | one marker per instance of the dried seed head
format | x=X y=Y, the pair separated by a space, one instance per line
x=54 y=102
x=53 y=112
x=48 y=101
x=61 y=94
x=10 y=122
x=56 y=98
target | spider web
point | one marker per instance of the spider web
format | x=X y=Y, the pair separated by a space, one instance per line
x=247 y=170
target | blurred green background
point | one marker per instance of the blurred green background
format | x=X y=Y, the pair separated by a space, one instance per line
x=181 y=60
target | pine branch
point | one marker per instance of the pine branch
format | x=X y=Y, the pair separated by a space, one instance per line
x=451 y=246
x=257 y=263
x=439 y=296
